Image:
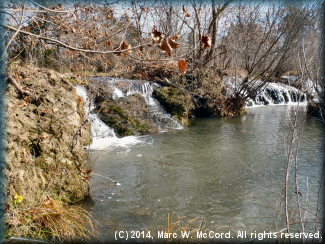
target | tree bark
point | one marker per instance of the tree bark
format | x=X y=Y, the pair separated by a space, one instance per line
x=214 y=34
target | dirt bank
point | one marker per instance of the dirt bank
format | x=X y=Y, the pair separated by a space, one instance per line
x=45 y=132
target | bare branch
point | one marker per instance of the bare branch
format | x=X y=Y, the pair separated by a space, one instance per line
x=18 y=87
x=62 y=44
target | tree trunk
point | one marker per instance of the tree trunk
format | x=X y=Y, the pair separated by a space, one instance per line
x=170 y=26
x=214 y=35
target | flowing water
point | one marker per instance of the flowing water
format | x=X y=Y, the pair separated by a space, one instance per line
x=200 y=172
x=223 y=169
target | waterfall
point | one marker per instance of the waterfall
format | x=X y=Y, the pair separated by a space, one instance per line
x=155 y=111
x=271 y=94
x=117 y=93
x=277 y=94
x=103 y=137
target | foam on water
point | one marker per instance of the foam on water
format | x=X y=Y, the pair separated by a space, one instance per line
x=112 y=142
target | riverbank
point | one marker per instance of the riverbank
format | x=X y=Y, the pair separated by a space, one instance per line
x=46 y=130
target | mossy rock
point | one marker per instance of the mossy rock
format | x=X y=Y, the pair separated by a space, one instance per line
x=74 y=81
x=176 y=102
x=122 y=121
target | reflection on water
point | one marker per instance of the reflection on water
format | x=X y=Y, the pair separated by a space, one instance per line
x=202 y=171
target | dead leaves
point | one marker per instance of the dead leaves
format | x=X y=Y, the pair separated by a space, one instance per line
x=44 y=136
x=108 y=43
x=156 y=36
x=205 y=42
x=168 y=45
x=182 y=65
x=172 y=43
x=23 y=103
x=121 y=47
x=186 y=14
x=166 y=48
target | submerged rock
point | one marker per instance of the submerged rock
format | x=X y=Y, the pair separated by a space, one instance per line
x=140 y=212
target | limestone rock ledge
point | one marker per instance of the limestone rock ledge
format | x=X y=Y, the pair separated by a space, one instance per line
x=176 y=103
x=45 y=135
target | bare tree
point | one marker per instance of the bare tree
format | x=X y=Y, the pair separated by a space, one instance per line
x=262 y=40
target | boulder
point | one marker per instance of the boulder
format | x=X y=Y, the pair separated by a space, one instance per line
x=176 y=102
x=126 y=115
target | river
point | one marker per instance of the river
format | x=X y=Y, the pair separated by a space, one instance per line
x=222 y=169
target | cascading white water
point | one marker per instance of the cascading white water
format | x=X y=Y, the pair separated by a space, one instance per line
x=99 y=129
x=272 y=94
x=81 y=91
x=117 y=93
x=277 y=94
x=145 y=90
x=103 y=137
x=155 y=110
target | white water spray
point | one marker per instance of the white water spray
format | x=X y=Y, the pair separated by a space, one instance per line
x=155 y=110
x=103 y=136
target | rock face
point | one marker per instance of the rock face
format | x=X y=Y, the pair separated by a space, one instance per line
x=126 y=115
x=45 y=133
x=176 y=103
x=100 y=91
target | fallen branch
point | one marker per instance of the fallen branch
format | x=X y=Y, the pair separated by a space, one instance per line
x=165 y=82
x=18 y=87
x=115 y=182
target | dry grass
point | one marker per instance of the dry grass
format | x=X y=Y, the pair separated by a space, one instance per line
x=179 y=225
x=53 y=221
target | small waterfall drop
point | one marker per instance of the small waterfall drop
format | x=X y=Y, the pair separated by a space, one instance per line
x=103 y=137
x=271 y=94
x=117 y=93
x=277 y=94
x=155 y=111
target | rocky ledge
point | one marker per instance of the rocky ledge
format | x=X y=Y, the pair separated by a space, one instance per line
x=126 y=115
x=45 y=132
